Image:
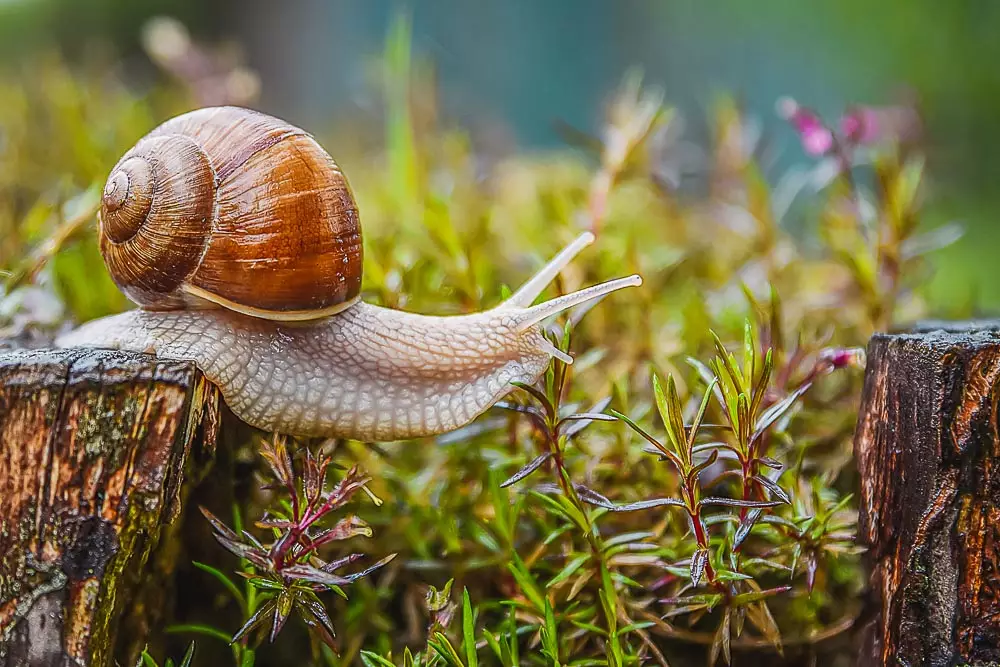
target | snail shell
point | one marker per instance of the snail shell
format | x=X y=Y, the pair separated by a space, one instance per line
x=233 y=207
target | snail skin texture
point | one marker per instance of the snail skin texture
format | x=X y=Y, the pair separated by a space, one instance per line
x=353 y=369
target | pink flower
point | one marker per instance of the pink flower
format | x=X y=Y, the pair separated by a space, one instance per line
x=841 y=357
x=816 y=138
x=864 y=125
x=860 y=125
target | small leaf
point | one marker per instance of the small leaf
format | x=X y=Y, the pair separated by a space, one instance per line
x=721 y=641
x=259 y=617
x=664 y=407
x=746 y=526
x=677 y=420
x=444 y=648
x=743 y=417
x=756 y=596
x=772 y=486
x=709 y=378
x=368 y=570
x=728 y=364
x=627 y=538
x=774 y=464
x=713 y=456
x=335 y=565
x=601 y=501
x=219 y=526
x=812 y=565
x=749 y=352
x=760 y=616
x=647 y=504
x=584 y=419
x=268 y=522
x=760 y=389
x=225 y=581
x=283 y=608
x=735 y=502
x=315 y=616
x=579 y=583
x=550 y=637
x=540 y=397
x=700 y=600
x=313 y=475
x=198 y=629
x=700 y=416
x=469 y=631
x=375 y=660
x=588 y=495
x=188 y=656
x=781 y=521
x=568 y=571
x=699 y=560
x=246 y=551
x=526 y=583
x=314 y=575
x=773 y=413
x=436 y=600
x=935 y=239
x=529 y=468
x=275 y=452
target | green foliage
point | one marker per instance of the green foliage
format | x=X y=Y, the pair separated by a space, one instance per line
x=288 y=573
x=146 y=660
x=735 y=366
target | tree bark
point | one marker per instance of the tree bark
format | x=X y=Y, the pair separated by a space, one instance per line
x=928 y=452
x=97 y=450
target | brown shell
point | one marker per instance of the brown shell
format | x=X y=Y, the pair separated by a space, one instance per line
x=236 y=207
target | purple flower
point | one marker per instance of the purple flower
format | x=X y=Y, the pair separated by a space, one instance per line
x=841 y=357
x=865 y=125
x=816 y=138
x=860 y=125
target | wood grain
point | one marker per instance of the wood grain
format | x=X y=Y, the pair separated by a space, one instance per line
x=95 y=450
x=928 y=452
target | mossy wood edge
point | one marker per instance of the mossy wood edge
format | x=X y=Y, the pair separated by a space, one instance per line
x=928 y=452
x=97 y=450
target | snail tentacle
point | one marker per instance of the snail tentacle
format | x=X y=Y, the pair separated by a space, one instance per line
x=530 y=290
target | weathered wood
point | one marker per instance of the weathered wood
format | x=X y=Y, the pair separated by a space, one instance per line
x=928 y=451
x=95 y=450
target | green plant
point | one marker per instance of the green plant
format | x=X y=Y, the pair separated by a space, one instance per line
x=287 y=574
x=146 y=660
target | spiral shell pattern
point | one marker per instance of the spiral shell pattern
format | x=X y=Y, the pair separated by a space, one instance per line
x=156 y=213
x=232 y=206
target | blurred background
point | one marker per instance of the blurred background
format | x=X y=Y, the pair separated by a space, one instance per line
x=528 y=75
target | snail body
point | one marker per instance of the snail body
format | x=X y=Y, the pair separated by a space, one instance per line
x=269 y=309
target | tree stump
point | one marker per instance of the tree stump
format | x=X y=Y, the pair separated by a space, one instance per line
x=96 y=450
x=928 y=451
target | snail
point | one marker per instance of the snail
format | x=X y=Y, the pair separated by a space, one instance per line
x=239 y=238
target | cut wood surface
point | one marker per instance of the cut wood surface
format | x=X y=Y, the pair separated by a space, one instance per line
x=96 y=448
x=928 y=452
